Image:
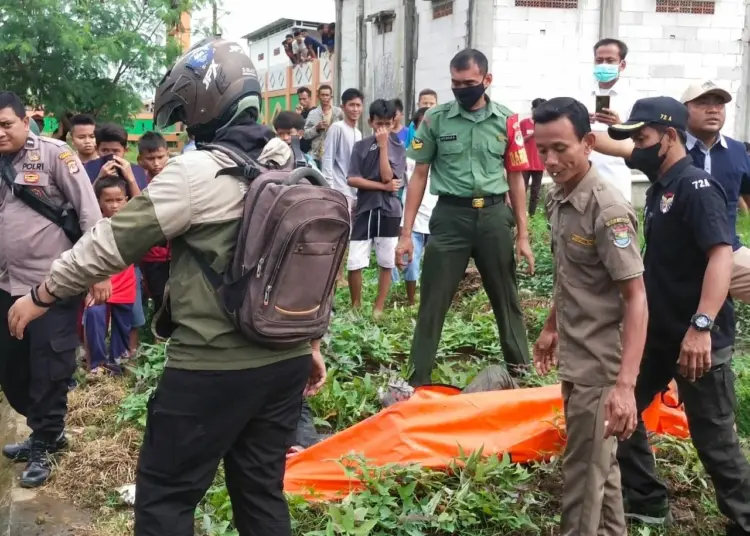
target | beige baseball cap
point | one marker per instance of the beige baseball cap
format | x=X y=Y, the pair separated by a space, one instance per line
x=706 y=87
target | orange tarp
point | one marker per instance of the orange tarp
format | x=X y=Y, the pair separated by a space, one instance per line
x=432 y=428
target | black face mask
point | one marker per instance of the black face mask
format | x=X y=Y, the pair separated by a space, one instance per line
x=647 y=160
x=469 y=96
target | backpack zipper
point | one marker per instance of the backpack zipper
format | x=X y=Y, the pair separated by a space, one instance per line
x=261 y=262
x=277 y=268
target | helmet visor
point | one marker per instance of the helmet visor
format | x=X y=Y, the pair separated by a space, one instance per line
x=168 y=115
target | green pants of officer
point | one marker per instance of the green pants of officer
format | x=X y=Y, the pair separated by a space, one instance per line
x=458 y=233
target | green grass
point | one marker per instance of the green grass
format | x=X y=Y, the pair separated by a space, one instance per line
x=484 y=496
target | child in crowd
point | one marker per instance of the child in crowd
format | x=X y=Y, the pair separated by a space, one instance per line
x=421 y=231
x=398 y=122
x=377 y=169
x=153 y=154
x=427 y=99
x=288 y=125
x=83 y=138
x=118 y=311
x=112 y=144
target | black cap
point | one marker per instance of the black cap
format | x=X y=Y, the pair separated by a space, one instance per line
x=653 y=110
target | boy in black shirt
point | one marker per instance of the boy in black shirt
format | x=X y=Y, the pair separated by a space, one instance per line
x=377 y=168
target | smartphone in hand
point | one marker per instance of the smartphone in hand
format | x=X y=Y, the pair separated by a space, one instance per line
x=602 y=102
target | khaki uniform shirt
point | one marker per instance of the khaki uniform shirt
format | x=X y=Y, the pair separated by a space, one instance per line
x=595 y=245
x=29 y=242
x=470 y=153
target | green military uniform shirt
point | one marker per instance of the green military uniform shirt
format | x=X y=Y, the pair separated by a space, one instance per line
x=468 y=151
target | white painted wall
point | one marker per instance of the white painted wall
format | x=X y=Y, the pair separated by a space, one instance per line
x=266 y=47
x=548 y=52
x=670 y=51
x=439 y=40
x=542 y=52
x=539 y=52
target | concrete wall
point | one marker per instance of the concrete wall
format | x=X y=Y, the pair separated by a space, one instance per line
x=669 y=51
x=542 y=52
x=439 y=39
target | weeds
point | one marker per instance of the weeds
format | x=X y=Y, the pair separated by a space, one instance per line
x=477 y=496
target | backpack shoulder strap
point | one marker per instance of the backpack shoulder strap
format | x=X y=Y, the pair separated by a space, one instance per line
x=246 y=168
x=35 y=198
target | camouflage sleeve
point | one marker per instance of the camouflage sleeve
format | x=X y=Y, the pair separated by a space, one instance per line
x=74 y=183
x=162 y=212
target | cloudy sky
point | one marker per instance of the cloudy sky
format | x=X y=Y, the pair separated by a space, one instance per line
x=240 y=17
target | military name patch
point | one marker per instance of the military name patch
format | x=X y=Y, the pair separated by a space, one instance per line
x=666 y=202
x=31 y=178
x=32 y=166
x=449 y=137
x=582 y=240
x=417 y=144
x=64 y=155
x=621 y=235
x=615 y=221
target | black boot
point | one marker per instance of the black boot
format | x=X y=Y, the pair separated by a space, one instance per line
x=19 y=452
x=39 y=468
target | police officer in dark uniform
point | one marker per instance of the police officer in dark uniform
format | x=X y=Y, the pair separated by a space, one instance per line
x=691 y=328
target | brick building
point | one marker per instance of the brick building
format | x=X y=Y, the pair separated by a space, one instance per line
x=543 y=48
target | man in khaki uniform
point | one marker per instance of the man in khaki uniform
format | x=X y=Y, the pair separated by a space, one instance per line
x=597 y=323
x=35 y=371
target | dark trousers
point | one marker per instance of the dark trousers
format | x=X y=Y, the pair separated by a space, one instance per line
x=196 y=419
x=156 y=275
x=35 y=371
x=535 y=177
x=458 y=233
x=96 y=326
x=710 y=404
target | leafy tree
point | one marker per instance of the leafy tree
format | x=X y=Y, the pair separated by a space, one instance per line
x=102 y=57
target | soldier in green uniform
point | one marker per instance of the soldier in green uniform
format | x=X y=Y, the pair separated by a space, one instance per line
x=474 y=151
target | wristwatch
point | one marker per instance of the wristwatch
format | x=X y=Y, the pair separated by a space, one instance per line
x=703 y=322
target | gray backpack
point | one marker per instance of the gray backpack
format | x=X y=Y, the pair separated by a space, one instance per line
x=278 y=289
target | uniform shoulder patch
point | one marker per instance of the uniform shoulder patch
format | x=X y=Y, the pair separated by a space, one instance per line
x=417 y=144
x=72 y=166
x=621 y=235
x=616 y=221
x=64 y=155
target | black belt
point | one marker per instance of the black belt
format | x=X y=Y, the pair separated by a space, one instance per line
x=472 y=202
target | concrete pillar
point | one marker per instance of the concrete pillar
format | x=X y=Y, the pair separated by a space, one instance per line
x=609 y=18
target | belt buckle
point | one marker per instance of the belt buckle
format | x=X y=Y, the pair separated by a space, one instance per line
x=477 y=202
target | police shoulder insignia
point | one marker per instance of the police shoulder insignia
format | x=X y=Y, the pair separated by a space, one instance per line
x=29 y=143
x=621 y=235
x=31 y=178
x=72 y=166
x=417 y=144
x=615 y=221
x=64 y=155
x=666 y=202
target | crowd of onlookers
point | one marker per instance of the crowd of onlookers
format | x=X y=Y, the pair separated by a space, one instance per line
x=371 y=172
x=109 y=332
x=300 y=47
